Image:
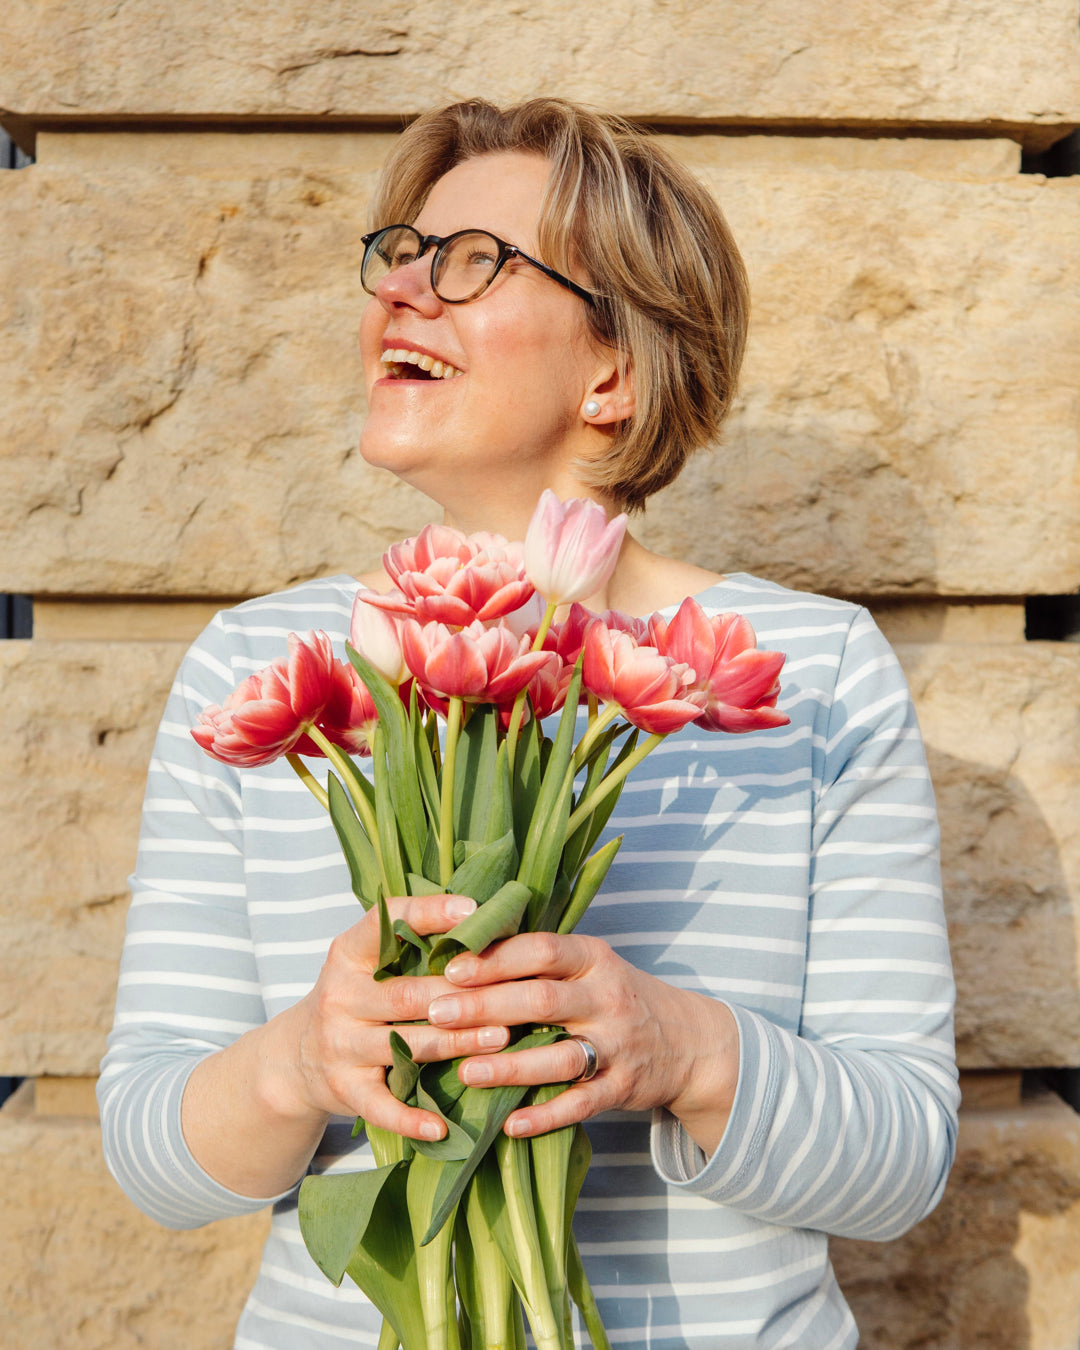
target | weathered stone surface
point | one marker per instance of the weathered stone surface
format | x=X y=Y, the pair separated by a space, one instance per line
x=938 y=621
x=1002 y=725
x=890 y=385
x=82 y=1267
x=185 y=401
x=1007 y=63
x=81 y=723
x=124 y=620
x=1002 y=728
x=230 y=152
x=997 y=1265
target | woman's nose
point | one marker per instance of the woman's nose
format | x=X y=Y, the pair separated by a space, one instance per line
x=409 y=285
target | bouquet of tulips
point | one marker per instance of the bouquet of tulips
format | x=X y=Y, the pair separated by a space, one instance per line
x=451 y=1238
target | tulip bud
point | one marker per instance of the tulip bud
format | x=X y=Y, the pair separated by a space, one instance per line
x=376 y=635
x=571 y=548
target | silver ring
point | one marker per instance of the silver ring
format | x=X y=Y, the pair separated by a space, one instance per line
x=592 y=1060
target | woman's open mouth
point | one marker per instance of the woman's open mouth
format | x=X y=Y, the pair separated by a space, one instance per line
x=404 y=364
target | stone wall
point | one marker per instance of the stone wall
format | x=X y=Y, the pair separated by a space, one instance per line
x=178 y=299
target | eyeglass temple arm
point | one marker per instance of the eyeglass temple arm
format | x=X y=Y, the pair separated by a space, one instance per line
x=515 y=252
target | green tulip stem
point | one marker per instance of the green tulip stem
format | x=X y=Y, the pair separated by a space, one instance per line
x=610 y=782
x=309 y=781
x=597 y=723
x=446 y=803
x=340 y=760
x=545 y=624
x=519 y=702
x=388 y=1337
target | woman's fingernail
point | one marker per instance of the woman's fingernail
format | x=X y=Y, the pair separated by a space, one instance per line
x=461 y=968
x=491 y=1036
x=429 y=1130
x=477 y=1073
x=460 y=907
x=444 y=1010
x=517 y=1127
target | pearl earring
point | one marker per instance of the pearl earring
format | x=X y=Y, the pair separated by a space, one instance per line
x=591 y=408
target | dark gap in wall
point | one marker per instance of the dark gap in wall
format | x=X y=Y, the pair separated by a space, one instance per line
x=16 y=616
x=1065 y=1082
x=11 y=157
x=7 y=1087
x=1052 y=618
x=1062 y=160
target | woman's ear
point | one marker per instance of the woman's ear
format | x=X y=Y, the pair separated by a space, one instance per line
x=610 y=398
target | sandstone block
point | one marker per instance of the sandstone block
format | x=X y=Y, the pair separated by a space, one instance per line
x=1002 y=729
x=1008 y=64
x=997 y=1265
x=82 y=719
x=82 y=1267
x=906 y=423
x=123 y=621
x=202 y=151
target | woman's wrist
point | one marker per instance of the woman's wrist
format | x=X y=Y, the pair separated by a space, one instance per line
x=711 y=1073
x=278 y=1078
x=244 y=1117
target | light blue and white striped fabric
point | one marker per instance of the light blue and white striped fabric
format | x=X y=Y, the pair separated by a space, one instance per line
x=792 y=873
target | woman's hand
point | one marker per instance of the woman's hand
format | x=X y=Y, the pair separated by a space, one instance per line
x=657 y=1045
x=341 y=1029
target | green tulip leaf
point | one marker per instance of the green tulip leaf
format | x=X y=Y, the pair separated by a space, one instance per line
x=499 y=917
x=543 y=844
x=582 y=1294
x=384 y=1263
x=455 y=1145
x=404 y=933
x=389 y=946
x=404 y=1070
x=583 y=838
x=590 y=879
x=334 y=1215
x=423 y=757
x=488 y=869
x=420 y=885
x=408 y=805
x=385 y=818
x=431 y=857
x=443 y=1085
x=526 y=779
x=501 y=816
x=474 y=773
x=355 y=845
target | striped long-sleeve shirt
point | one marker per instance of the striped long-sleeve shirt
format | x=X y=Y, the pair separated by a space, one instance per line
x=792 y=873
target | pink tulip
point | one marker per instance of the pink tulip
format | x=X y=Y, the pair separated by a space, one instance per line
x=481 y=665
x=738 y=679
x=269 y=714
x=547 y=688
x=350 y=715
x=652 y=690
x=376 y=635
x=571 y=548
x=568 y=637
x=444 y=576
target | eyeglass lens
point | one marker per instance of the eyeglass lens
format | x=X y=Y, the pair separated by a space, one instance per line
x=463 y=267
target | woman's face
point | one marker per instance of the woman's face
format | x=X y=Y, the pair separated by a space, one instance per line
x=510 y=424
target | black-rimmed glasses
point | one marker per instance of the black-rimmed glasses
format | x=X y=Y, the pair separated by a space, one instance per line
x=463 y=265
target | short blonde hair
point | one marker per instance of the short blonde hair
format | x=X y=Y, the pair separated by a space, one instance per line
x=670 y=283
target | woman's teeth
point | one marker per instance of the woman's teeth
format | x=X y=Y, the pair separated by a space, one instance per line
x=398 y=358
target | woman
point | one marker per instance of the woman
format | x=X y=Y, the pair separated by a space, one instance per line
x=765 y=978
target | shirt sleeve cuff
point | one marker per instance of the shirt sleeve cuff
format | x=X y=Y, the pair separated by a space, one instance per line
x=154 y=1164
x=677 y=1158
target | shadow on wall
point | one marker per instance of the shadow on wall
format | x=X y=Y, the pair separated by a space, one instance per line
x=966 y=1278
